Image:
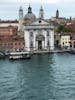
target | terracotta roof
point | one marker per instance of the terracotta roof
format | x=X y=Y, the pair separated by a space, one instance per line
x=8 y=21
x=8 y=27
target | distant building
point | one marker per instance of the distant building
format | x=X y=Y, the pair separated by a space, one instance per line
x=58 y=19
x=6 y=23
x=65 y=41
x=57 y=14
x=12 y=43
x=8 y=30
x=9 y=38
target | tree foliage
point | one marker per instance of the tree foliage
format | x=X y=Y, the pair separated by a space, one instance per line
x=62 y=28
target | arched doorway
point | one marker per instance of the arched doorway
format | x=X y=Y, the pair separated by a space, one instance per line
x=40 y=39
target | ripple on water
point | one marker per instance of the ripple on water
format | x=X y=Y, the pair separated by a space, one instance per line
x=43 y=77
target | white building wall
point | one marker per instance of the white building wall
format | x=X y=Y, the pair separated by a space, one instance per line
x=36 y=45
x=51 y=40
x=35 y=42
x=35 y=28
x=42 y=44
x=27 y=40
x=45 y=34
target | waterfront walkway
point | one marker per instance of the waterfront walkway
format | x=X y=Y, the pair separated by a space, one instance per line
x=39 y=52
x=53 y=51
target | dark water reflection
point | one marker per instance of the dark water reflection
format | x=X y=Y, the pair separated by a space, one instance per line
x=43 y=77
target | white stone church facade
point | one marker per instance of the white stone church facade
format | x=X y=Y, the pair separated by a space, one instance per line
x=38 y=32
x=39 y=35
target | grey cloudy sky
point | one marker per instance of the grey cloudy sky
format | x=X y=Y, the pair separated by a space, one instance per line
x=9 y=9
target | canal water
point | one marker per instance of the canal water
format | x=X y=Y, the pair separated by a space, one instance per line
x=43 y=77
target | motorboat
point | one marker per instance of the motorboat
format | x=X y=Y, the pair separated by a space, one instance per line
x=19 y=55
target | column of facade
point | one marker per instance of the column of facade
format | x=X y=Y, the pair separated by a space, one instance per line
x=51 y=39
x=34 y=40
x=43 y=41
x=27 y=40
x=45 y=34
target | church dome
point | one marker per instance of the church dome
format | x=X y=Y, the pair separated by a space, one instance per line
x=29 y=16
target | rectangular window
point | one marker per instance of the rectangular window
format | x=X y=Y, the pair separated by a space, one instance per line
x=31 y=34
x=47 y=33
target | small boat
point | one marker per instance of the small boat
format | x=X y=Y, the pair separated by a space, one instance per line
x=19 y=55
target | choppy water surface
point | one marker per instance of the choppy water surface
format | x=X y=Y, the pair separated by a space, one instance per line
x=43 y=77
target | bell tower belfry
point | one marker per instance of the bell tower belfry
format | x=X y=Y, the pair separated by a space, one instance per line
x=41 y=13
x=20 y=29
x=57 y=14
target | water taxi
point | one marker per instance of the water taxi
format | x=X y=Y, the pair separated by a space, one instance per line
x=19 y=55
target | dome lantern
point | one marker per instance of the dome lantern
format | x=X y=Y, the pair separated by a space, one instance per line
x=29 y=9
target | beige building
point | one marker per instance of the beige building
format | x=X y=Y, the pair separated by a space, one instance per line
x=65 y=41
